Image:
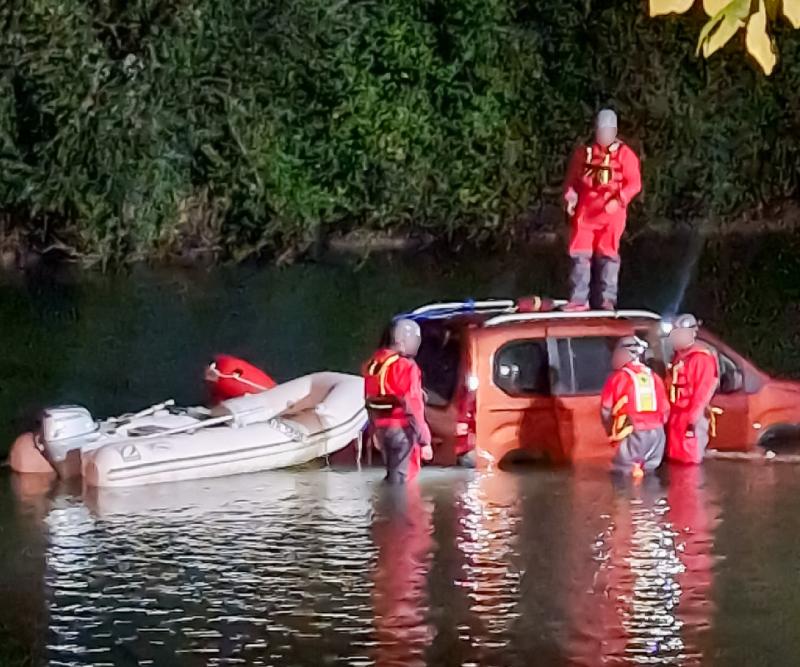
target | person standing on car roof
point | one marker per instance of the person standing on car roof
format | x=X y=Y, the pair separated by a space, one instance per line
x=602 y=179
x=693 y=377
x=396 y=405
x=634 y=409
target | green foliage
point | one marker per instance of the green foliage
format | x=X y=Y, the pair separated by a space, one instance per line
x=129 y=126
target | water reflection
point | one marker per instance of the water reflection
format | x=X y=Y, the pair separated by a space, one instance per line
x=402 y=533
x=649 y=600
x=326 y=567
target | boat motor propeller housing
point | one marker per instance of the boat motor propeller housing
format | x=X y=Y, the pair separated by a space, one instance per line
x=64 y=428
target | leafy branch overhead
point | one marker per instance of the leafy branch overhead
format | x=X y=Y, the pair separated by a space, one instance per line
x=727 y=17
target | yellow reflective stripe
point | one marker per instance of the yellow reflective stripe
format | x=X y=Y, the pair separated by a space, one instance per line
x=674 y=392
x=385 y=366
x=619 y=434
x=644 y=389
x=712 y=419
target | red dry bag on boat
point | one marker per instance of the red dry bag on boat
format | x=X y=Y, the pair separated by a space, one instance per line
x=230 y=377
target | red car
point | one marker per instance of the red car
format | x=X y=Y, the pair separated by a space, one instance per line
x=503 y=384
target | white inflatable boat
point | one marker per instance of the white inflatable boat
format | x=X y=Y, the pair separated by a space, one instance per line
x=289 y=425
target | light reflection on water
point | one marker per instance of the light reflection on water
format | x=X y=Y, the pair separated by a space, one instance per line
x=328 y=567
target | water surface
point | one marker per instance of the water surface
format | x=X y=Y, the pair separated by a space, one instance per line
x=322 y=566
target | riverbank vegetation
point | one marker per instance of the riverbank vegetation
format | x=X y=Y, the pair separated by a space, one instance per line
x=155 y=128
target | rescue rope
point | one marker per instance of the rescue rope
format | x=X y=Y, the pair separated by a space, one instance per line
x=212 y=370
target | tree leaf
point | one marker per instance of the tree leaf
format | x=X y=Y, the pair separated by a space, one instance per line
x=714 y=7
x=791 y=10
x=710 y=25
x=722 y=35
x=758 y=41
x=661 y=7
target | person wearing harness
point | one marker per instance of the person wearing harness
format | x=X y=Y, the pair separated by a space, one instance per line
x=602 y=179
x=634 y=409
x=396 y=405
x=693 y=377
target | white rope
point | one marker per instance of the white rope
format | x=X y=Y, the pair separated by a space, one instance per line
x=212 y=370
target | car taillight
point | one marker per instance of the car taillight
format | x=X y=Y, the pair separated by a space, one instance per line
x=465 y=418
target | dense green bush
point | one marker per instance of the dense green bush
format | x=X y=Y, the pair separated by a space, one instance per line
x=130 y=127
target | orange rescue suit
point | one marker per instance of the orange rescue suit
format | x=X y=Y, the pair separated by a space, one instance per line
x=635 y=399
x=693 y=377
x=394 y=398
x=606 y=180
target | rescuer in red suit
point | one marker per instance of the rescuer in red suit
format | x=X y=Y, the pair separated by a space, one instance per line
x=634 y=408
x=396 y=405
x=602 y=179
x=693 y=377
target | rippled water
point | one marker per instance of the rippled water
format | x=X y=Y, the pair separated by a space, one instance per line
x=324 y=566
x=328 y=567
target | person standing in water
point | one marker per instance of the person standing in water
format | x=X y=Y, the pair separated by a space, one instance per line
x=396 y=405
x=634 y=409
x=693 y=377
x=602 y=179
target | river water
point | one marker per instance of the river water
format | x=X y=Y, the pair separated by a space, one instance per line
x=324 y=566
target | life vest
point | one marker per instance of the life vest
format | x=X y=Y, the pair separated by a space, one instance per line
x=680 y=393
x=601 y=173
x=381 y=398
x=645 y=401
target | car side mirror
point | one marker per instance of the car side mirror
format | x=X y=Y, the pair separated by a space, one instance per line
x=731 y=381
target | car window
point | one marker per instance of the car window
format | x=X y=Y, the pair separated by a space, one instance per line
x=584 y=363
x=521 y=368
x=731 y=379
x=439 y=359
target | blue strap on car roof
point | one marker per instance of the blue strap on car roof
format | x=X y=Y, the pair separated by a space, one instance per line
x=467 y=306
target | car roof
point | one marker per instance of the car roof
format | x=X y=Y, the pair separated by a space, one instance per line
x=492 y=313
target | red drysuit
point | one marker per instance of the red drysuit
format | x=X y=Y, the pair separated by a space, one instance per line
x=394 y=397
x=605 y=180
x=693 y=379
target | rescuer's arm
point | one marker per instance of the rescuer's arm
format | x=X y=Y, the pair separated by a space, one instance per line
x=661 y=397
x=415 y=409
x=607 y=400
x=703 y=374
x=631 y=175
x=572 y=181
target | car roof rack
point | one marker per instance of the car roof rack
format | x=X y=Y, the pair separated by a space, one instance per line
x=449 y=308
x=561 y=315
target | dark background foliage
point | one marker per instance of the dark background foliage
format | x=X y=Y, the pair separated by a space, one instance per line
x=131 y=127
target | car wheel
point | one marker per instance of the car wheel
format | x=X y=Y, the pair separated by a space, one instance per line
x=467 y=460
x=781 y=438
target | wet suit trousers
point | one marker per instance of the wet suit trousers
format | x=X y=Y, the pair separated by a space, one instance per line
x=683 y=447
x=606 y=279
x=643 y=447
x=595 y=243
x=401 y=454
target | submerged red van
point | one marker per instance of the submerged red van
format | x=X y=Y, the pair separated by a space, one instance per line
x=503 y=384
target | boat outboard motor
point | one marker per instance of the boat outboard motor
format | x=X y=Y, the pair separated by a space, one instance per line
x=66 y=428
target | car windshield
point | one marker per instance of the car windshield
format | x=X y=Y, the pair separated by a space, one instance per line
x=438 y=358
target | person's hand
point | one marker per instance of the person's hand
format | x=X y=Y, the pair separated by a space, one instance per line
x=690 y=431
x=571 y=200
x=427 y=452
x=612 y=205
